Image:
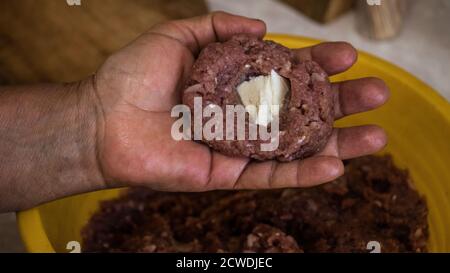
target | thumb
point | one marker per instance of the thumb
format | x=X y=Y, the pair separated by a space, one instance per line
x=195 y=33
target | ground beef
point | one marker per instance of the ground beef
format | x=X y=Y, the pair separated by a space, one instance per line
x=307 y=115
x=373 y=201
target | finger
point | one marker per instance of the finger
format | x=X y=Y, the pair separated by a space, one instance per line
x=195 y=33
x=300 y=173
x=224 y=171
x=356 y=141
x=333 y=57
x=359 y=95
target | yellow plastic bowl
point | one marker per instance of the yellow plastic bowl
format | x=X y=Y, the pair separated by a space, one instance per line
x=416 y=119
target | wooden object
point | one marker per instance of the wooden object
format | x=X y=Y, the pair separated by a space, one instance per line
x=48 y=40
x=381 y=21
x=321 y=10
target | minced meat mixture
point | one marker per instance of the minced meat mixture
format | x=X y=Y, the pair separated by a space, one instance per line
x=373 y=201
x=306 y=119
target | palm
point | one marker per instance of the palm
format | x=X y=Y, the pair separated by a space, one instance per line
x=138 y=87
x=141 y=93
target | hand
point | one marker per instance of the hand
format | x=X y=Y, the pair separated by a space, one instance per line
x=138 y=86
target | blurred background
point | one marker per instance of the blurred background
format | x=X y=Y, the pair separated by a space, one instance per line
x=66 y=40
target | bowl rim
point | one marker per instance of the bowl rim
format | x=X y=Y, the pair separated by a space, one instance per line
x=29 y=221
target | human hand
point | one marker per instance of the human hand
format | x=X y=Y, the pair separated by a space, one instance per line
x=137 y=87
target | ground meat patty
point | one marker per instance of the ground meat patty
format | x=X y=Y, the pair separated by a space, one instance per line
x=373 y=201
x=306 y=117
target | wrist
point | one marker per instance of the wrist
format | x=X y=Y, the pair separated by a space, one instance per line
x=49 y=144
x=89 y=118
